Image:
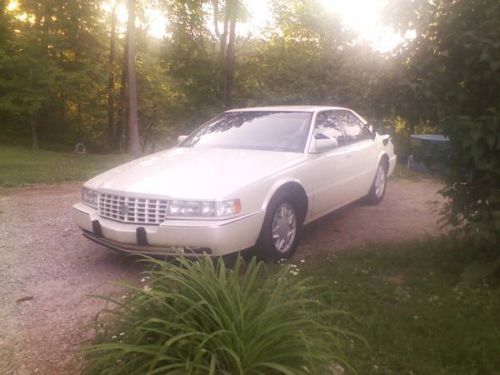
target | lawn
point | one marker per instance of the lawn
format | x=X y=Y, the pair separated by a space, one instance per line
x=408 y=302
x=23 y=166
x=405 y=310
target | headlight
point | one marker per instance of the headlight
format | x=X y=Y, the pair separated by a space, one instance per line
x=89 y=197
x=204 y=208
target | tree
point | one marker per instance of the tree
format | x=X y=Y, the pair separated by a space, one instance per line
x=52 y=71
x=452 y=73
x=232 y=10
x=134 y=144
x=111 y=79
x=191 y=64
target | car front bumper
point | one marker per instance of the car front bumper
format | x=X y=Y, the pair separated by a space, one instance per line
x=172 y=237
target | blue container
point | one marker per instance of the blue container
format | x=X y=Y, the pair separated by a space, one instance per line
x=428 y=152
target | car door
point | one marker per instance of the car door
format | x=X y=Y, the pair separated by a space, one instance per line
x=362 y=151
x=330 y=167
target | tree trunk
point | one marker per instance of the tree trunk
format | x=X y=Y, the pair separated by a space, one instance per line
x=215 y=4
x=3 y=21
x=79 y=119
x=223 y=37
x=228 y=67
x=123 y=112
x=134 y=145
x=111 y=80
x=34 y=133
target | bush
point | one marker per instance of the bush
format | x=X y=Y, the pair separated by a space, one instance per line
x=203 y=318
x=473 y=178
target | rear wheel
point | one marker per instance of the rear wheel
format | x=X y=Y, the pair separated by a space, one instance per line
x=280 y=232
x=377 y=190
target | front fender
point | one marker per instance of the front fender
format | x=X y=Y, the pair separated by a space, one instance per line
x=278 y=185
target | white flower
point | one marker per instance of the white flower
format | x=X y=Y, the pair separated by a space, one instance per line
x=113 y=337
x=147 y=288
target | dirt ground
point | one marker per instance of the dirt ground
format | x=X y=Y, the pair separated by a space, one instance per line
x=48 y=270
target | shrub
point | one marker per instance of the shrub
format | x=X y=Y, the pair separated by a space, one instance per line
x=473 y=178
x=203 y=318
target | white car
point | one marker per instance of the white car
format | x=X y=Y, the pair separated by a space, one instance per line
x=248 y=177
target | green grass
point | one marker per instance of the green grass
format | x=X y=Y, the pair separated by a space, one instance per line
x=23 y=166
x=412 y=308
x=405 y=307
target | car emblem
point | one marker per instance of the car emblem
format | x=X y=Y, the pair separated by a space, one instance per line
x=124 y=209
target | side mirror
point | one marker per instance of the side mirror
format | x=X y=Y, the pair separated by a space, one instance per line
x=181 y=138
x=322 y=143
x=370 y=130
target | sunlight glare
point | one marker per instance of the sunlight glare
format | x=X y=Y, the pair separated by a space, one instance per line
x=156 y=23
x=361 y=16
x=12 y=5
x=364 y=18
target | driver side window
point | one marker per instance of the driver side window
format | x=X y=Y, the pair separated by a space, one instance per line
x=327 y=126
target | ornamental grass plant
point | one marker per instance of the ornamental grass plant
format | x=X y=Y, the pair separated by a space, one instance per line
x=201 y=317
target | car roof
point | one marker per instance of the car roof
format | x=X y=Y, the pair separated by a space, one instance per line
x=288 y=108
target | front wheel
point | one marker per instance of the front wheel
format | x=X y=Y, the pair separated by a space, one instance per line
x=377 y=190
x=281 y=229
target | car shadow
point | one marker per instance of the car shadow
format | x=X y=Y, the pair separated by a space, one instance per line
x=312 y=229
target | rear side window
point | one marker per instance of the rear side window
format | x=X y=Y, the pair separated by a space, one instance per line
x=353 y=127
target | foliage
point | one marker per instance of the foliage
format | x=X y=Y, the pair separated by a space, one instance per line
x=450 y=78
x=200 y=317
x=50 y=70
x=473 y=178
x=414 y=310
x=307 y=58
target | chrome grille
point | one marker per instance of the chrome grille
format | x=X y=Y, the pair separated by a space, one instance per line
x=132 y=209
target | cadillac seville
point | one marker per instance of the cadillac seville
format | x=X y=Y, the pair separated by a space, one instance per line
x=249 y=178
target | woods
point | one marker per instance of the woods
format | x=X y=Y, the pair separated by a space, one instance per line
x=67 y=68
x=60 y=60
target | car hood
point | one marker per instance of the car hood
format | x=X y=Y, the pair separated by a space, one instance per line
x=193 y=173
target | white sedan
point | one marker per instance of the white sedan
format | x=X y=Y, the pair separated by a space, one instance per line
x=249 y=178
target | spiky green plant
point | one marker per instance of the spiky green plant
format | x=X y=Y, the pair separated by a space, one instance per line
x=201 y=317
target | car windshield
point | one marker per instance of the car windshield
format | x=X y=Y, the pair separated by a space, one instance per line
x=254 y=130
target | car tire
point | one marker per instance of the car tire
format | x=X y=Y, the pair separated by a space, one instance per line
x=379 y=184
x=281 y=229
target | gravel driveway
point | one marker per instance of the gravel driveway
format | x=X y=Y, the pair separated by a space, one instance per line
x=47 y=268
